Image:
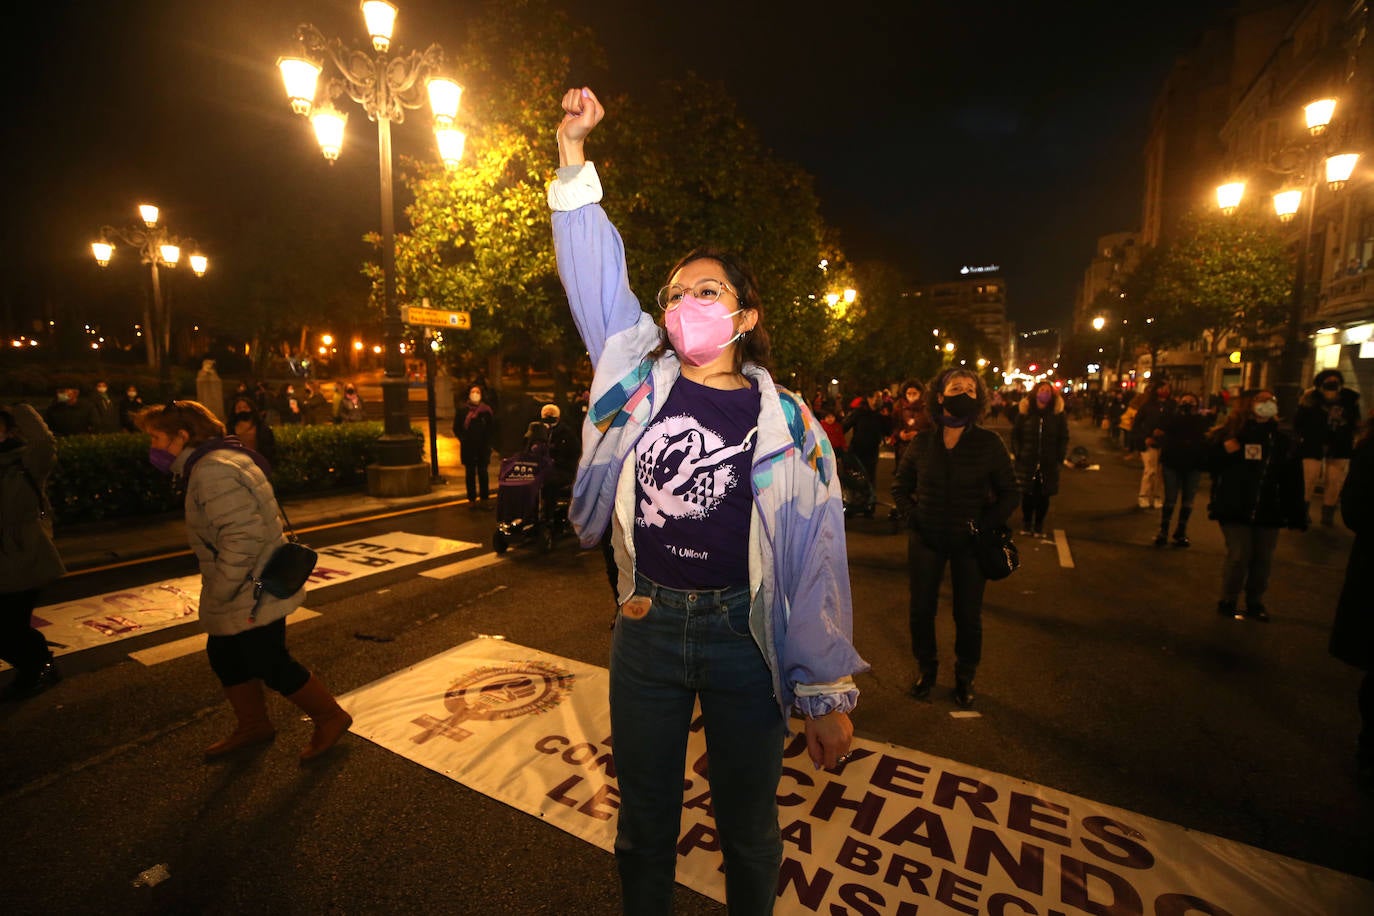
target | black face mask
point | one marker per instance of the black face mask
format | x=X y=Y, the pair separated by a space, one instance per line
x=1331 y=386
x=1187 y=408
x=243 y=418
x=960 y=405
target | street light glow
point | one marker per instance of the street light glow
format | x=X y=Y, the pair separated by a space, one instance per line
x=103 y=251
x=149 y=214
x=949 y=347
x=327 y=339
x=199 y=263
x=444 y=95
x=1099 y=323
x=380 y=18
x=171 y=254
x=850 y=295
x=451 y=143
x=1338 y=169
x=1318 y=115
x=300 y=76
x=329 y=124
x=1286 y=203
x=1229 y=195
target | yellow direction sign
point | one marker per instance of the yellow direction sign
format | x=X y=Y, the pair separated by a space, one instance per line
x=414 y=314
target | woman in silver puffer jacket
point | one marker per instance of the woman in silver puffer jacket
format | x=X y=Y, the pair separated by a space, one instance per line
x=28 y=558
x=234 y=526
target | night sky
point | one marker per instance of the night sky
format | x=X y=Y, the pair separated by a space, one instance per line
x=940 y=134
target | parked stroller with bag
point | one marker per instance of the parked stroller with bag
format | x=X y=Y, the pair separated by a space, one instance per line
x=523 y=510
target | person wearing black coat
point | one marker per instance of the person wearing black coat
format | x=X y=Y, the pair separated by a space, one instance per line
x=1182 y=459
x=952 y=478
x=1256 y=490
x=474 y=424
x=1039 y=442
x=867 y=428
x=1325 y=424
x=1352 y=633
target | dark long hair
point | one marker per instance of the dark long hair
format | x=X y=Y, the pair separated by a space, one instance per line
x=754 y=346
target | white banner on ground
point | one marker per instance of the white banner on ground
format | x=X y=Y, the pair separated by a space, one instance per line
x=896 y=832
x=101 y=619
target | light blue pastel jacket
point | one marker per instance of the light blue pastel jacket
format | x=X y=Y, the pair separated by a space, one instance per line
x=800 y=613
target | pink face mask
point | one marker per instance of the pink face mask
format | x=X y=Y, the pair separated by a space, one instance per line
x=699 y=330
x=1043 y=397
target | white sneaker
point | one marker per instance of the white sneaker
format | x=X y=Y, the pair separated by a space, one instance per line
x=1143 y=502
x=1158 y=504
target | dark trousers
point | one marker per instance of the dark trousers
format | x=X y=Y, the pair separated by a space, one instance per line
x=867 y=455
x=259 y=653
x=20 y=644
x=478 y=479
x=1035 y=505
x=1180 y=486
x=927 y=566
x=1249 y=558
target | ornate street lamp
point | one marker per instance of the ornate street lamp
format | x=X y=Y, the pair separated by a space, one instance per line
x=157 y=247
x=385 y=85
x=1308 y=163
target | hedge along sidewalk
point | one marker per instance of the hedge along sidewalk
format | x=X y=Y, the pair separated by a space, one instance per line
x=109 y=476
x=89 y=546
x=112 y=506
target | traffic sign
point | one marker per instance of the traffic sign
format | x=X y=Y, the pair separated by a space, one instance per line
x=414 y=314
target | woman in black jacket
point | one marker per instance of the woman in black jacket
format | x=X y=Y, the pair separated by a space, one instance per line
x=1039 y=442
x=1352 y=635
x=1256 y=490
x=1183 y=458
x=953 y=477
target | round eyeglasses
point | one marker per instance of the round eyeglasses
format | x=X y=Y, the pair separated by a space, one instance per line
x=708 y=290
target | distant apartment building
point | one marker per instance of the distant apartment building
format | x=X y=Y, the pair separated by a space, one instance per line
x=1117 y=255
x=979 y=298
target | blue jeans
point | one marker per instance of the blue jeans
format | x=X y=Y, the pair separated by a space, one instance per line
x=694 y=646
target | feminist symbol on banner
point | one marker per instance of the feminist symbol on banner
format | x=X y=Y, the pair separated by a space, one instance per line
x=505 y=692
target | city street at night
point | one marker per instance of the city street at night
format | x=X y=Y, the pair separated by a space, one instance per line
x=1107 y=675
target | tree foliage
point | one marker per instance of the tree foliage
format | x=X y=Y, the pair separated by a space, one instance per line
x=1219 y=275
x=478 y=237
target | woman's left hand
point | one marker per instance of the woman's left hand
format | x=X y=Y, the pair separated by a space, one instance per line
x=827 y=739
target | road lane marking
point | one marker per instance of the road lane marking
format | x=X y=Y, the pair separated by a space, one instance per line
x=178 y=648
x=1061 y=544
x=465 y=566
x=174 y=554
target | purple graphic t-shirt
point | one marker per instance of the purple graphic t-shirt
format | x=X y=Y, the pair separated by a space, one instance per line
x=693 y=495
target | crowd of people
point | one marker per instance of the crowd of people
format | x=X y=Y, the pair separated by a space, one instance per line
x=715 y=495
x=72 y=412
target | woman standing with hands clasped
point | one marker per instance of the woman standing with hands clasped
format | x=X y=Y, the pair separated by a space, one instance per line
x=952 y=478
x=1256 y=490
x=1039 y=442
x=720 y=493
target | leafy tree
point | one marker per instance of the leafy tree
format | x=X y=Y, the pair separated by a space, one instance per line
x=1218 y=276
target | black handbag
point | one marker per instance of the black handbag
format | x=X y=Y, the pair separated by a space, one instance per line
x=288 y=568
x=996 y=552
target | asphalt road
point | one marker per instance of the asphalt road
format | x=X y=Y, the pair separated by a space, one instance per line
x=1112 y=679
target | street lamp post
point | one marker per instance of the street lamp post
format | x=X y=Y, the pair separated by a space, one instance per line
x=156 y=247
x=385 y=85
x=1308 y=162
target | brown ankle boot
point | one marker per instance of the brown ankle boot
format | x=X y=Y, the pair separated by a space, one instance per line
x=330 y=719
x=250 y=709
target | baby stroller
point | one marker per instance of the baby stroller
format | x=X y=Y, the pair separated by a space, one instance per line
x=856 y=491
x=520 y=511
